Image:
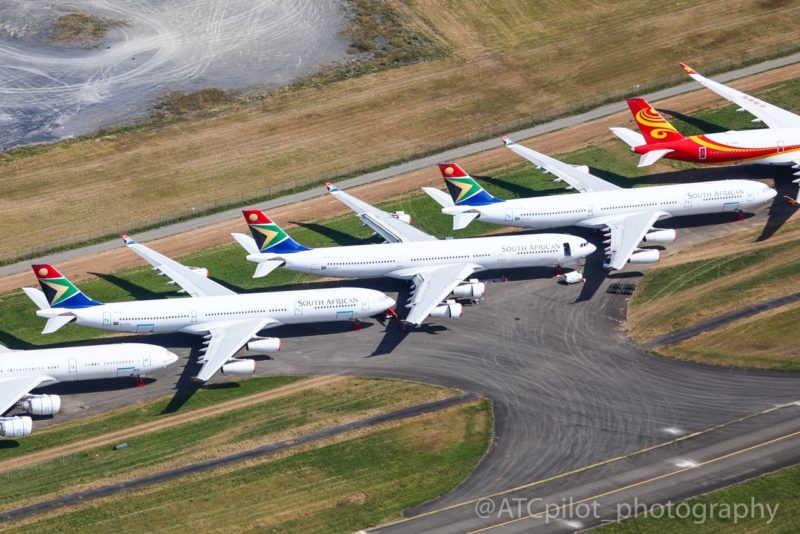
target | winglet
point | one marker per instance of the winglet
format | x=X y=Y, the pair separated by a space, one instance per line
x=128 y=239
x=331 y=188
x=687 y=69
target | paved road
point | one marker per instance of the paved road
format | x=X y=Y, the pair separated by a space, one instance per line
x=626 y=486
x=395 y=170
x=249 y=454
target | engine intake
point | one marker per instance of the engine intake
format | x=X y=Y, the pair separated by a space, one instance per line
x=42 y=404
x=18 y=426
x=649 y=255
x=471 y=290
x=661 y=236
x=239 y=367
x=264 y=344
x=403 y=216
x=448 y=309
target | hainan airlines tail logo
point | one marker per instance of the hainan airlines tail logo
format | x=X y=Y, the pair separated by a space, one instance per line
x=652 y=119
x=460 y=189
x=267 y=235
x=57 y=290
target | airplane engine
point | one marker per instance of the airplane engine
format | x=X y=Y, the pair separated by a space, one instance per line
x=239 y=367
x=18 y=426
x=448 y=309
x=265 y=344
x=42 y=404
x=403 y=216
x=661 y=236
x=649 y=255
x=470 y=290
x=202 y=271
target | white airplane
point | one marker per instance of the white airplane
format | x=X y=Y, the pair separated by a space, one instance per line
x=627 y=215
x=440 y=270
x=24 y=370
x=229 y=321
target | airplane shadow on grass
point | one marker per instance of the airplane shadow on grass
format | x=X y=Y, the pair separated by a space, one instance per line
x=337 y=236
x=136 y=291
x=700 y=124
x=520 y=190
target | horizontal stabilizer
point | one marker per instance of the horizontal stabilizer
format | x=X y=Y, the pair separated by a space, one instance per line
x=651 y=157
x=247 y=243
x=631 y=138
x=442 y=198
x=462 y=220
x=54 y=323
x=38 y=297
x=266 y=267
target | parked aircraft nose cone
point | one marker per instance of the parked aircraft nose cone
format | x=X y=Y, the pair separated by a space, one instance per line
x=386 y=302
x=169 y=358
x=770 y=194
x=589 y=248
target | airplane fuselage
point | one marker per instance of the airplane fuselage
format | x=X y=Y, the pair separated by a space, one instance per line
x=772 y=146
x=86 y=363
x=404 y=260
x=197 y=315
x=590 y=209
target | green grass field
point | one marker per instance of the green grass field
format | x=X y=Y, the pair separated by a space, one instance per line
x=333 y=487
x=199 y=438
x=781 y=490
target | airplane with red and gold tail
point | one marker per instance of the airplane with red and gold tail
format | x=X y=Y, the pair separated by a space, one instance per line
x=779 y=144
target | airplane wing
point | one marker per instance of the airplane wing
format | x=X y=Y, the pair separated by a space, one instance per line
x=627 y=231
x=576 y=177
x=14 y=388
x=432 y=285
x=194 y=283
x=226 y=340
x=387 y=225
x=772 y=116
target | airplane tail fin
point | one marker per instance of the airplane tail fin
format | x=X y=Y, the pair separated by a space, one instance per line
x=654 y=127
x=464 y=190
x=58 y=291
x=269 y=237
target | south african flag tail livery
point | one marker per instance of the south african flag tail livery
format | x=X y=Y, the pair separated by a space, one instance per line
x=269 y=236
x=60 y=292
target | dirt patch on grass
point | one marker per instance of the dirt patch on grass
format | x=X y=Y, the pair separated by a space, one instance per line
x=80 y=30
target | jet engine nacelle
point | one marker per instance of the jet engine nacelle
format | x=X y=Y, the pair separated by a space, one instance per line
x=265 y=344
x=448 y=309
x=470 y=290
x=202 y=271
x=649 y=255
x=239 y=367
x=403 y=216
x=584 y=168
x=661 y=236
x=42 y=404
x=18 y=426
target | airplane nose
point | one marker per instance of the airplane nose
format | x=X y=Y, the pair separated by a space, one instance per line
x=169 y=358
x=590 y=248
x=771 y=193
x=387 y=302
